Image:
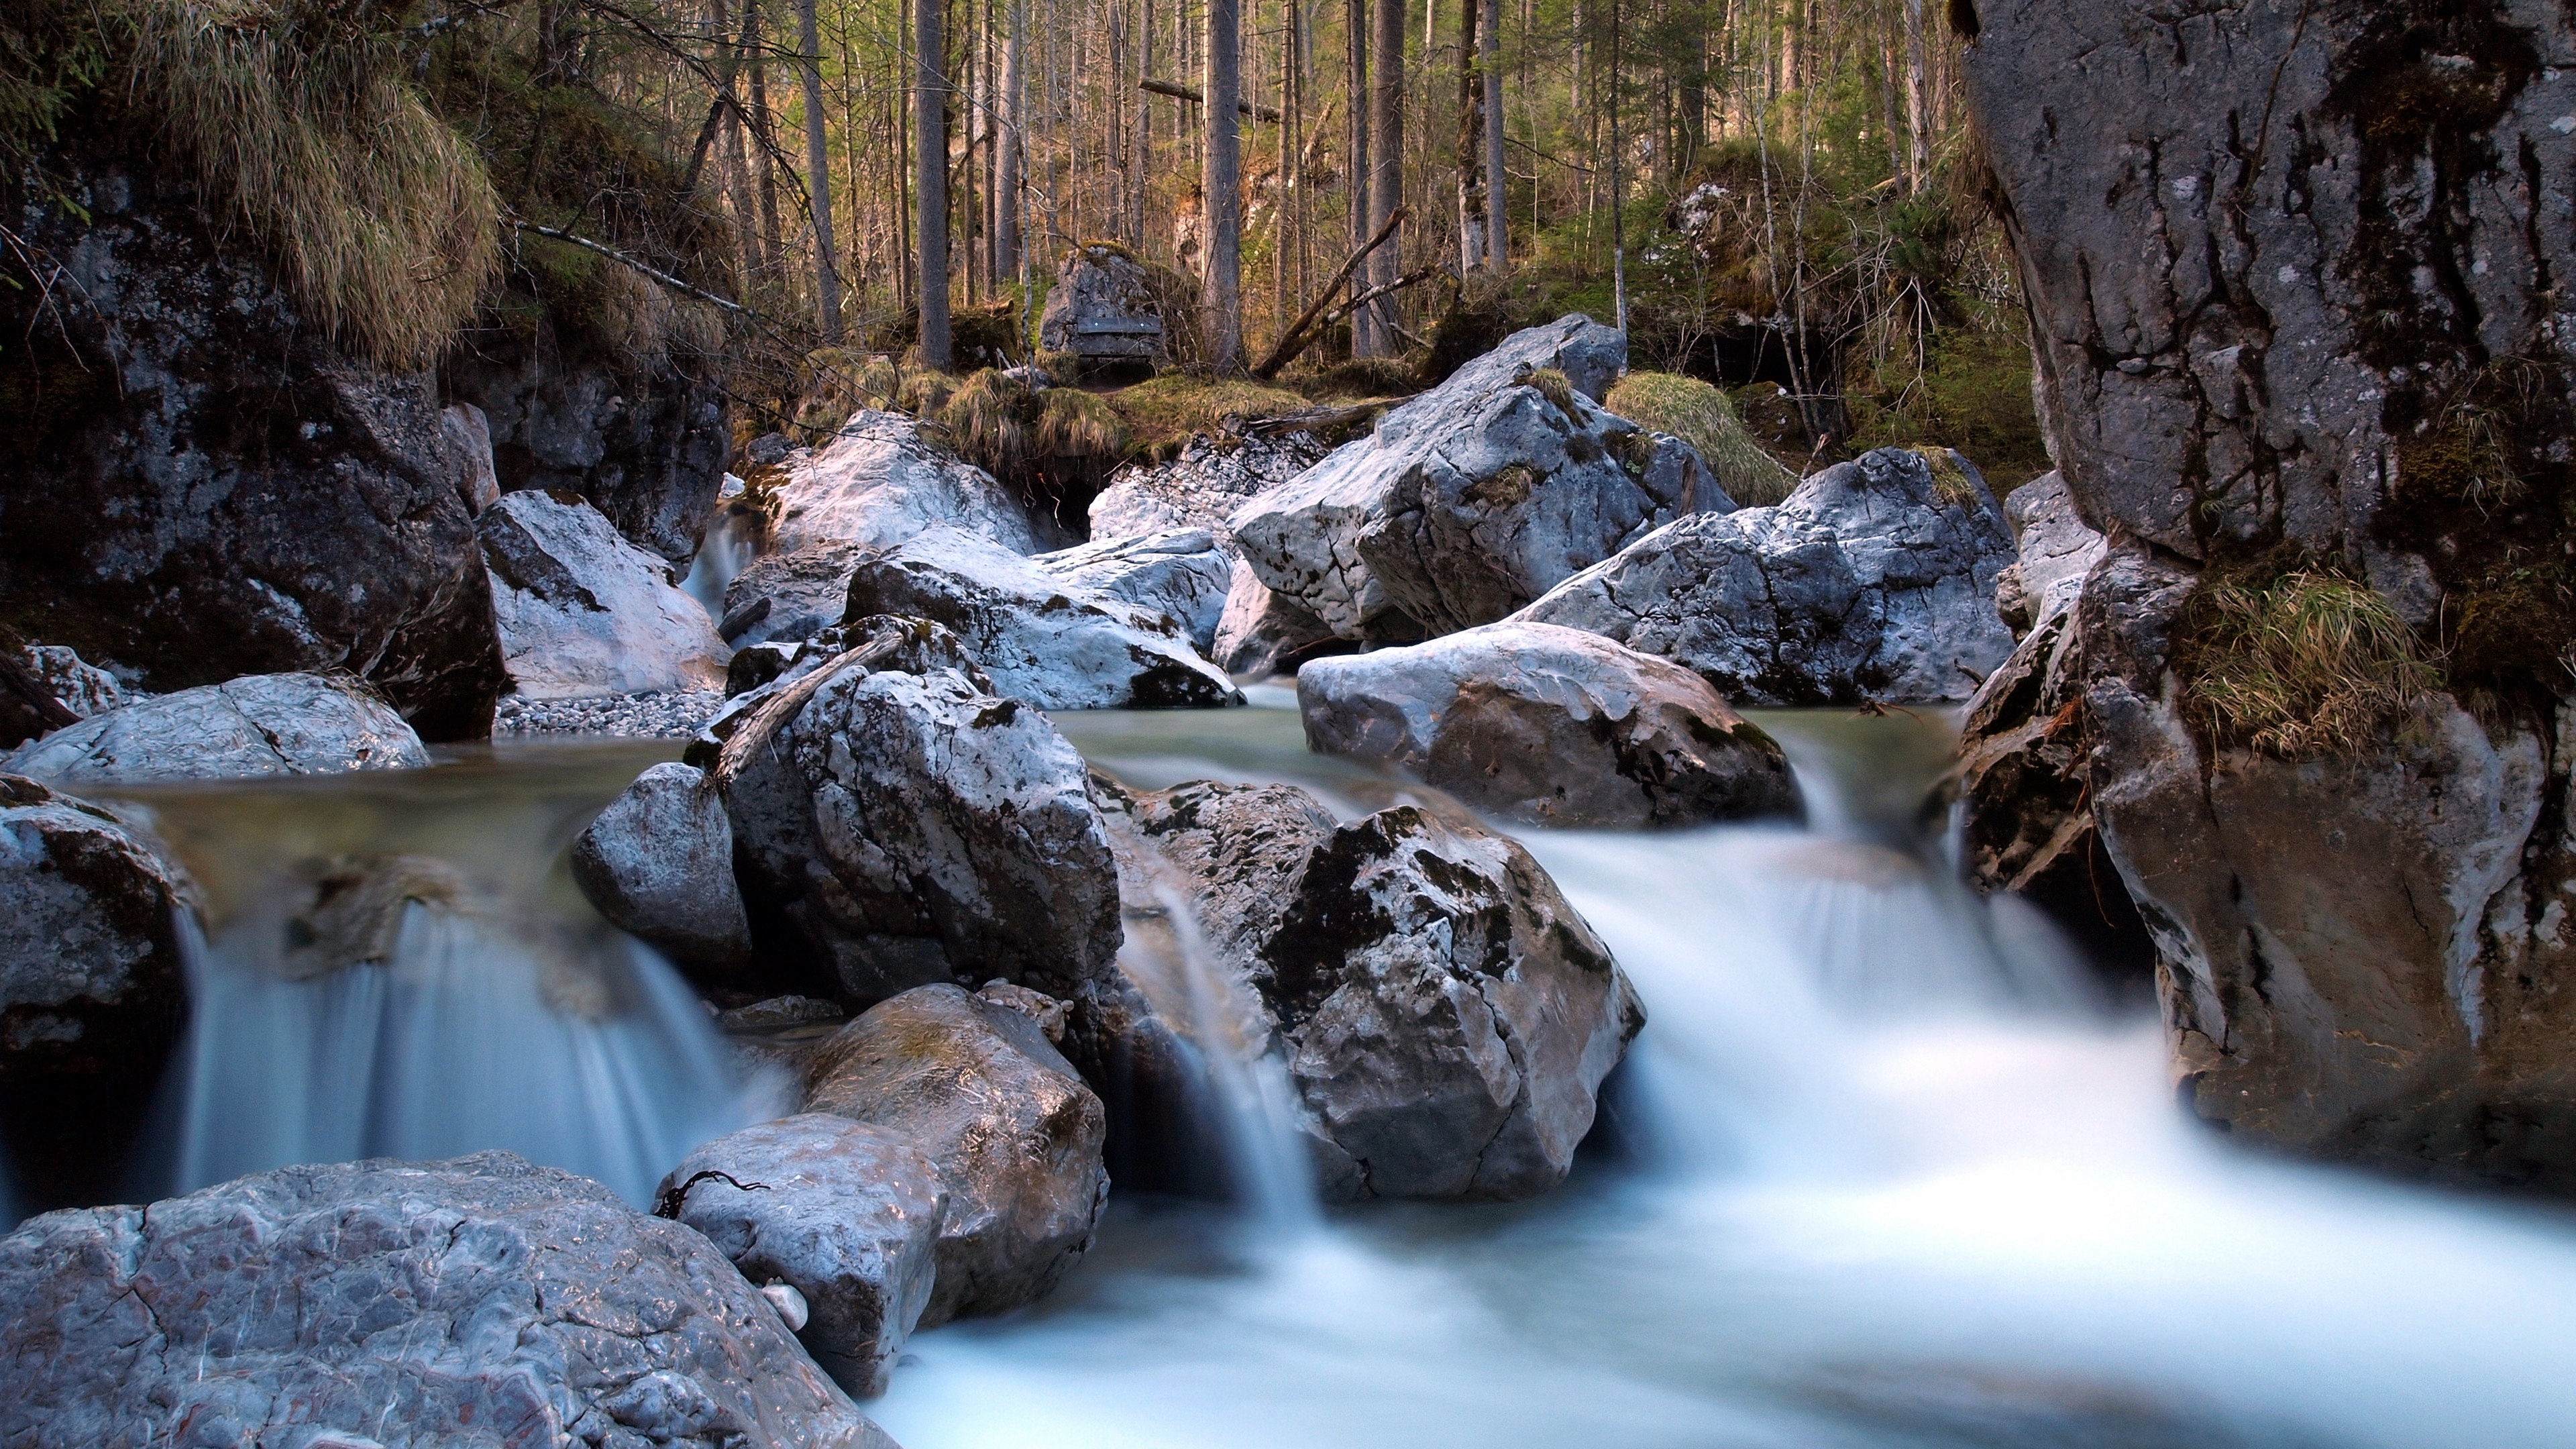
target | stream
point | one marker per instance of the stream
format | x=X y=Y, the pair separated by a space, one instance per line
x=1886 y=1168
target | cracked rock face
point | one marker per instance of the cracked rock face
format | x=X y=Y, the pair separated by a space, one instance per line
x=1866 y=583
x=1102 y=305
x=263 y=724
x=93 y=986
x=1042 y=638
x=399 y=1304
x=1549 y=725
x=879 y=482
x=844 y=1212
x=1474 y=498
x=790 y=597
x=893 y=829
x=583 y=612
x=1014 y=1135
x=1180 y=574
x=1263 y=632
x=658 y=864
x=2310 y=243
x=1443 y=1014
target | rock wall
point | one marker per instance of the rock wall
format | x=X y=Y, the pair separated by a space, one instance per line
x=2293 y=269
x=196 y=483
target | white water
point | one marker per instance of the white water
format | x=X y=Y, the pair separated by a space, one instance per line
x=1895 y=1186
x=723 y=555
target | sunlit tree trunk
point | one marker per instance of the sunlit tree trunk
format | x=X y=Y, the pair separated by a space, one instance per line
x=1006 y=170
x=818 y=173
x=930 y=182
x=1471 y=155
x=1386 y=182
x=1919 y=152
x=1498 y=251
x=1358 y=174
x=1221 y=282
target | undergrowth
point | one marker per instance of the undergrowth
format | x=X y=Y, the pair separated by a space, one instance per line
x=2301 y=663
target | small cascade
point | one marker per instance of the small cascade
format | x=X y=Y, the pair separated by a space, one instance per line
x=725 y=553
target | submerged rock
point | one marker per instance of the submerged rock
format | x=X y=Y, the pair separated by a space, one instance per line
x=658 y=864
x=845 y=1213
x=266 y=724
x=93 y=986
x=1549 y=725
x=1474 y=498
x=399 y=1303
x=879 y=482
x=1042 y=640
x=1867 y=583
x=583 y=612
x=1012 y=1130
x=1180 y=574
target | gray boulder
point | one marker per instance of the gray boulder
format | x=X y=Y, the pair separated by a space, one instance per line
x=82 y=688
x=469 y=431
x=2055 y=547
x=1445 y=1017
x=1042 y=640
x=1202 y=487
x=878 y=481
x=658 y=863
x=1867 y=583
x=1180 y=574
x=1103 y=305
x=790 y=597
x=1263 y=632
x=893 y=829
x=482 y=1299
x=844 y=1212
x=585 y=613
x=1474 y=498
x=1012 y=1130
x=263 y=724
x=1549 y=725
x=93 y=986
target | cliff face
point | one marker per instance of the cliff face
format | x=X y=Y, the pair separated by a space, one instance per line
x=2294 y=273
x=196 y=483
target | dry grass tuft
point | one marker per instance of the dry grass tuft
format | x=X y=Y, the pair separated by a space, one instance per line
x=1949 y=481
x=1074 y=424
x=1701 y=415
x=380 y=218
x=989 y=418
x=2301 y=665
x=921 y=391
x=1163 y=412
x=1555 y=386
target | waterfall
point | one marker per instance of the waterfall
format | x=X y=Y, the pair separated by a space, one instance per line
x=725 y=553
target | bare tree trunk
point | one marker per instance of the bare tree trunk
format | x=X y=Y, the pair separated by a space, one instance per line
x=773 y=252
x=1006 y=177
x=1221 y=188
x=1919 y=151
x=1471 y=152
x=736 y=165
x=1618 y=189
x=930 y=183
x=818 y=174
x=1498 y=228
x=1357 y=173
x=1386 y=184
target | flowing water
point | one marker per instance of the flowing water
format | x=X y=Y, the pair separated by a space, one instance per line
x=726 y=552
x=1883 y=1169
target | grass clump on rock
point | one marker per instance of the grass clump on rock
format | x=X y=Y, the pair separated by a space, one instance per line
x=1161 y=413
x=2301 y=664
x=1700 y=414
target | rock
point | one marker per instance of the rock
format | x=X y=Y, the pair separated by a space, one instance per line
x=1444 y=1016
x=1012 y=1130
x=1043 y=641
x=1262 y=633
x=625 y=716
x=1865 y=584
x=913 y=646
x=93 y=987
x=893 y=829
x=879 y=482
x=2057 y=549
x=585 y=613
x=1551 y=726
x=1473 y=499
x=403 y=1304
x=1181 y=575
x=643 y=442
x=844 y=1213
x=658 y=863
x=1103 y=305
x=790 y=597
x=469 y=431
x=782 y=1032
x=83 y=689
x=265 y=724
x=2289 y=341
x=201 y=483
x=1212 y=477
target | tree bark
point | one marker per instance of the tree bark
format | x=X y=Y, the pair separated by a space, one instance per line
x=1498 y=229
x=773 y=257
x=930 y=176
x=1006 y=177
x=1471 y=155
x=1919 y=148
x=1221 y=187
x=1386 y=183
x=1356 y=173
x=818 y=174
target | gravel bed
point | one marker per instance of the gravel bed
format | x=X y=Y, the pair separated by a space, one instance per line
x=636 y=716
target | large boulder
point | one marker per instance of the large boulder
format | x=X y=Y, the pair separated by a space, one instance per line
x=1476 y=497
x=1043 y=639
x=482 y=1299
x=1104 y=305
x=893 y=829
x=790 y=597
x=845 y=1213
x=1549 y=725
x=197 y=482
x=1263 y=632
x=1443 y=1015
x=658 y=863
x=878 y=481
x=1180 y=574
x=1008 y=1123
x=93 y=987
x=2055 y=549
x=1870 y=582
x=268 y=724
x=585 y=613
x=1212 y=476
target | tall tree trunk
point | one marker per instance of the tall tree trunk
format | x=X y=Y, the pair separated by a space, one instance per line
x=1221 y=187
x=1386 y=183
x=773 y=250
x=737 y=165
x=1356 y=170
x=1919 y=149
x=1006 y=171
x=930 y=180
x=1618 y=188
x=1498 y=227
x=818 y=174
x=1284 y=192
x=1471 y=152
x=896 y=192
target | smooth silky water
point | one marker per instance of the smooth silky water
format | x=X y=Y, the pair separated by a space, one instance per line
x=1883 y=1170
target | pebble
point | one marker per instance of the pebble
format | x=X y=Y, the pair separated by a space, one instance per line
x=674 y=715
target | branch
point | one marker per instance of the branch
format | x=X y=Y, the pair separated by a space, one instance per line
x=614 y=255
x=1269 y=115
x=1295 y=340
